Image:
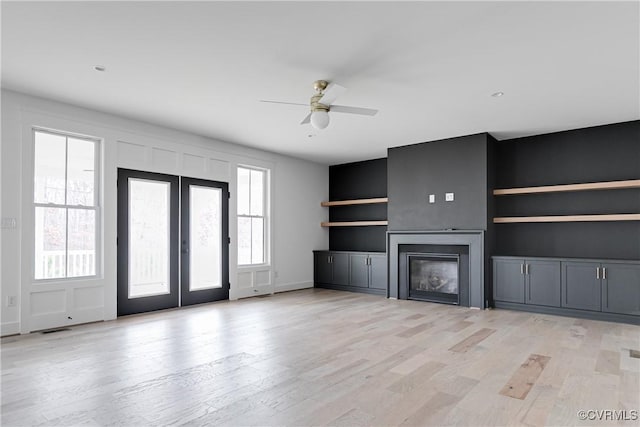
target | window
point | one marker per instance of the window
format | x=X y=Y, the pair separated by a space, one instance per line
x=252 y=184
x=65 y=205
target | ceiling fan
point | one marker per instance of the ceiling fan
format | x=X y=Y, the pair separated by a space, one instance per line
x=322 y=103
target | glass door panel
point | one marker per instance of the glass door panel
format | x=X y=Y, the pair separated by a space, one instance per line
x=148 y=237
x=205 y=246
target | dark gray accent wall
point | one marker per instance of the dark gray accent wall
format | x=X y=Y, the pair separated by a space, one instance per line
x=359 y=180
x=602 y=153
x=457 y=165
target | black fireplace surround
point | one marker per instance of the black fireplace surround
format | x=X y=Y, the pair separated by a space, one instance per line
x=435 y=273
x=436 y=257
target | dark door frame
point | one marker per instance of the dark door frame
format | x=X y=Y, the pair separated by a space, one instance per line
x=128 y=305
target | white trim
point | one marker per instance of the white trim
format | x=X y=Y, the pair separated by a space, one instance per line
x=266 y=215
x=293 y=286
x=9 y=328
x=96 y=207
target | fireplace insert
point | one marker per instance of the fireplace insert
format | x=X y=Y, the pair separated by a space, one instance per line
x=434 y=277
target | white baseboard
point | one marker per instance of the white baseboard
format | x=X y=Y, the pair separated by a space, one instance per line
x=9 y=328
x=286 y=287
x=293 y=286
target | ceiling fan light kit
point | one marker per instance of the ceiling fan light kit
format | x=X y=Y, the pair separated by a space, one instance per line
x=319 y=112
x=320 y=119
x=322 y=102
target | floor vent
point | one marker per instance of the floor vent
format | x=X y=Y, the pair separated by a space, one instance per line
x=51 y=331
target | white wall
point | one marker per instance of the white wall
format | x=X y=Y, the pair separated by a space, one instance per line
x=297 y=188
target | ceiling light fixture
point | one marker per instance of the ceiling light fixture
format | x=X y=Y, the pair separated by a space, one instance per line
x=322 y=102
x=320 y=118
x=497 y=94
x=319 y=111
x=100 y=68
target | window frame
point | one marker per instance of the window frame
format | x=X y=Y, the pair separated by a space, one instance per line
x=265 y=216
x=96 y=207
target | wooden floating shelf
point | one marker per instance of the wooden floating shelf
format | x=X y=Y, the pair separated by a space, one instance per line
x=611 y=185
x=567 y=218
x=353 y=223
x=355 y=202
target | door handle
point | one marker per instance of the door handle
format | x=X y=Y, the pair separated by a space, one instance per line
x=521 y=268
x=604 y=273
x=185 y=248
x=597 y=272
x=526 y=269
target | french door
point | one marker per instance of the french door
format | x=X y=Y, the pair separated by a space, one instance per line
x=172 y=241
x=204 y=242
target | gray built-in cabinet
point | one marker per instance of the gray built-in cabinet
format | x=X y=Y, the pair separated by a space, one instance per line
x=607 y=290
x=331 y=267
x=605 y=286
x=353 y=271
x=581 y=285
x=527 y=281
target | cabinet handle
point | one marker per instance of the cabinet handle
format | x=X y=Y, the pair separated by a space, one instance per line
x=368 y=261
x=526 y=269
x=597 y=272
x=604 y=273
x=521 y=268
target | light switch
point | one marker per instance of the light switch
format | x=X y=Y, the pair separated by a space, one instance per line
x=432 y=198
x=448 y=197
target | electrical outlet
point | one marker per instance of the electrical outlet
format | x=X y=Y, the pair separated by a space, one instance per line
x=12 y=301
x=432 y=198
x=448 y=197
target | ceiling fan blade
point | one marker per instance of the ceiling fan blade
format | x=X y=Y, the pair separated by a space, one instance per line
x=306 y=119
x=280 y=102
x=331 y=93
x=353 y=110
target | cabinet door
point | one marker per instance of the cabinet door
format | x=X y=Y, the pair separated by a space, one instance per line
x=542 y=282
x=358 y=270
x=508 y=280
x=323 y=269
x=340 y=268
x=378 y=272
x=621 y=288
x=581 y=285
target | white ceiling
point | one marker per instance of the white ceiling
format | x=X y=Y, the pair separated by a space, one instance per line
x=429 y=67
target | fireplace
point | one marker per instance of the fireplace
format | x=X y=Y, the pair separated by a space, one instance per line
x=454 y=259
x=435 y=273
x=433 y=277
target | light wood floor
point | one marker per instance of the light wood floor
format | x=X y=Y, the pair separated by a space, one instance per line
x=317 y=357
